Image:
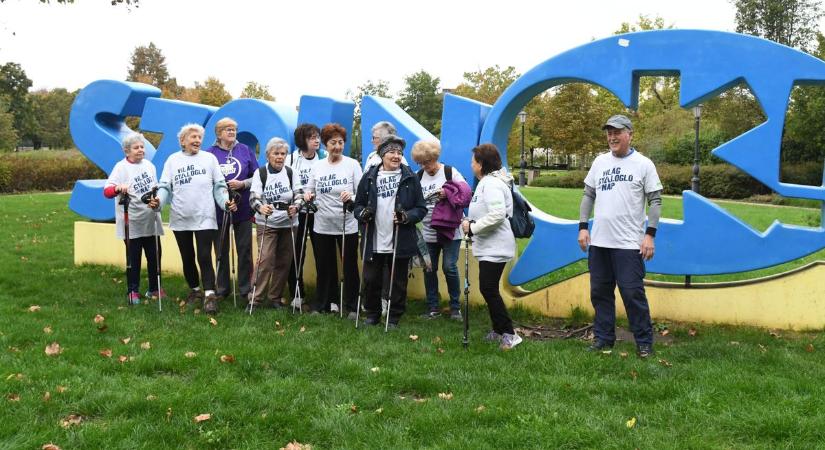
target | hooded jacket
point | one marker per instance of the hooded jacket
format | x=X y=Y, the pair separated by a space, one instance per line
x=448 y=213
x=492 y=204
x=409 y=197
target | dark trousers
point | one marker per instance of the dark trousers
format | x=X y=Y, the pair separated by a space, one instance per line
x=203 y=240
x=489 y=277
x=308 y=221
x=243 y=252
x=137 y=247
x=373 y=277
x=451 y=250
x=610 y=267
x=327 y=248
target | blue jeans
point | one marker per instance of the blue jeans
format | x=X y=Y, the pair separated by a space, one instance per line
x=451 y=250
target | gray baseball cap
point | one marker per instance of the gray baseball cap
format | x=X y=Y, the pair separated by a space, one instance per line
x=618 y=121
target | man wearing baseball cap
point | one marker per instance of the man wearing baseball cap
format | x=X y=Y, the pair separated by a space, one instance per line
x=618 y=183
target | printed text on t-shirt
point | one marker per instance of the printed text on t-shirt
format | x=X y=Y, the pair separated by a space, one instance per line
x=612 y=176
x=387 y=186
x=185 y=174
x=327 y=182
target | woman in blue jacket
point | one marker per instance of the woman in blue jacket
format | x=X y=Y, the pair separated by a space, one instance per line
x=389 y=201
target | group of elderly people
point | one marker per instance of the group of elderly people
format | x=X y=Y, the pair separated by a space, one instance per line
x=323 y=198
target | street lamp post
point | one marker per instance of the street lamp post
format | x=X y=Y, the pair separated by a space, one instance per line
x=697 y=117
x=522 y=178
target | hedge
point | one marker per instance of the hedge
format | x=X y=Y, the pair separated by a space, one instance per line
x=715 y=181
x=45 y=170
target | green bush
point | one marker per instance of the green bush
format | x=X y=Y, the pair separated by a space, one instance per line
x=569 y=179
x=45 y=170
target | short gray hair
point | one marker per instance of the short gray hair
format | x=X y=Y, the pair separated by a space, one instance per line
x=187 y=129
x=131 y=139
x=276 y=143
x=385 y=127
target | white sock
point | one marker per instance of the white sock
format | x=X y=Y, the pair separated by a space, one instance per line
x=208 y=293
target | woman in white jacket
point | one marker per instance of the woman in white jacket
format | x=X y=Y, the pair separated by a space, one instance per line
x=493 y=242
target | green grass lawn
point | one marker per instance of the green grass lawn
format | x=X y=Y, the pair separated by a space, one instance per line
x=316 y=380
x=564 y=203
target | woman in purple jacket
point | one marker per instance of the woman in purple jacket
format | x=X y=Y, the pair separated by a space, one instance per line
x=238 y=165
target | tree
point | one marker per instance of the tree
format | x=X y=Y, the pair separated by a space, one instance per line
x=51 y=108
x=14 y=85
x=790 y=22
x=256 y=90
x=212 y=92
x=486 y=86
x=804 y=138
x=148 y=63
x=8 y=135
x=422 y=101
x=378 y=88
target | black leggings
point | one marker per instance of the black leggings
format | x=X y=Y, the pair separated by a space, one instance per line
x=327 y=248
x=138 y=247
x=203 y=240
x=489 y=276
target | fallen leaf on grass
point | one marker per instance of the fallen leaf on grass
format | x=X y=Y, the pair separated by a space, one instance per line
x=47 y=330
x=607 y=352
x=665 y=363
x=71 y=419
x=439 y=350
x=775 y=334
x=631 y=423
x=99 y=319
x=47 y=396
x=734 y=342
x=413 y=337
x=126 y=340
x=277 y=324
x=480 y=408
x=151 y=397
x=61 y=389
x=213 y=321
x=53 y=349
x=303 y=328
x=196 y=311
x=13 y=397
x=420 y=399
x=353 y=409
x=190 y=354
x=49 y=446
x=295 y=445
x=809 y=348
x=227 y=359
x=692 y=332
x=19 y=376
x=281 y=332
x=445 y=395
x=665 y=332
x=375 y=370
x=437 y=340
x=145 y=345
x=34 y=308
x=168 y=414
x=762 y=348
x=634 y=374
x=379 y=410
x=200 y=417
x=14 y=350
x=623 y=354
x=122 y=358
x=106 y=353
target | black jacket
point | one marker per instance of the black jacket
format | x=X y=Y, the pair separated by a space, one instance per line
x=409 y=197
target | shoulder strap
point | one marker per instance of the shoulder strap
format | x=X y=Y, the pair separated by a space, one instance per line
x=420 y=174
x=448 y=172
x=289 y=175
x=262 y=173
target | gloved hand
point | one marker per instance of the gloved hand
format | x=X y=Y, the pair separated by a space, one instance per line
x=147 y=197
x=400 y=216
x=349 y=205
x=366 y=214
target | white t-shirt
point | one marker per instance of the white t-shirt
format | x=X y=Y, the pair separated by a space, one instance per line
x=621 y=185
x=373 y=160
x=141 y=178
x=328 y=181
x=429 y=185
x=191 y=179
x=386 y=187
x=277 y=190
x=302 y=167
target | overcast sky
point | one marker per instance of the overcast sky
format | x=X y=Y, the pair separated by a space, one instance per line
x=315 y=47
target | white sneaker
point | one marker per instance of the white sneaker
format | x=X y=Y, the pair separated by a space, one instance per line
x=384 y=305
x=508 y=341
x=297 y=302
x=333 y=307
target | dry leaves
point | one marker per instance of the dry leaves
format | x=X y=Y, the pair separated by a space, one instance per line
x=13 y=349
x=213 y=321
x=49 y=446
x=151 y=397
x=692 y=332
x=227 y=359
x=145 y=345
x=665 y=363
x=47 y=330
x=303 y=328
x=198 y=419
x=34 y=308
x=634 y=374
x=13 y=397
x=623 y=354
x=99 y=319
x=664 y=332
x=437 y=340
x=168 y=414
x=71 y=419
x=53 y=349
x=18 y=376
x=126 y=340
x=480 y=408
x=295 y=445
x=122 y=359
x=375 y=370
x=60 y=389
x=809 y=348
x=379 y=410
x=413 y=337
x=277 y=324
x=631 y=423
x=445 y=395
x=47 y=396
x=439 y=350
x=106 y=353
x=190 y=354
x=353 y=409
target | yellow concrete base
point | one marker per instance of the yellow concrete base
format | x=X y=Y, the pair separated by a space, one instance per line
x=792 y=301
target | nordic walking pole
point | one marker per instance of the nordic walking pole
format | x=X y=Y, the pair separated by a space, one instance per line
x=220 y=242
x=258 y=268
x=232 y=262
x=301 y=258
x=392 y=271
x=153 y=194
x=361 y=279
x=295 y=262
x=124 y=200
x=467 y=242
x=343 y=249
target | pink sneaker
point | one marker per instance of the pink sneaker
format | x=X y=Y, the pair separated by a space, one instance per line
x=134 y=298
